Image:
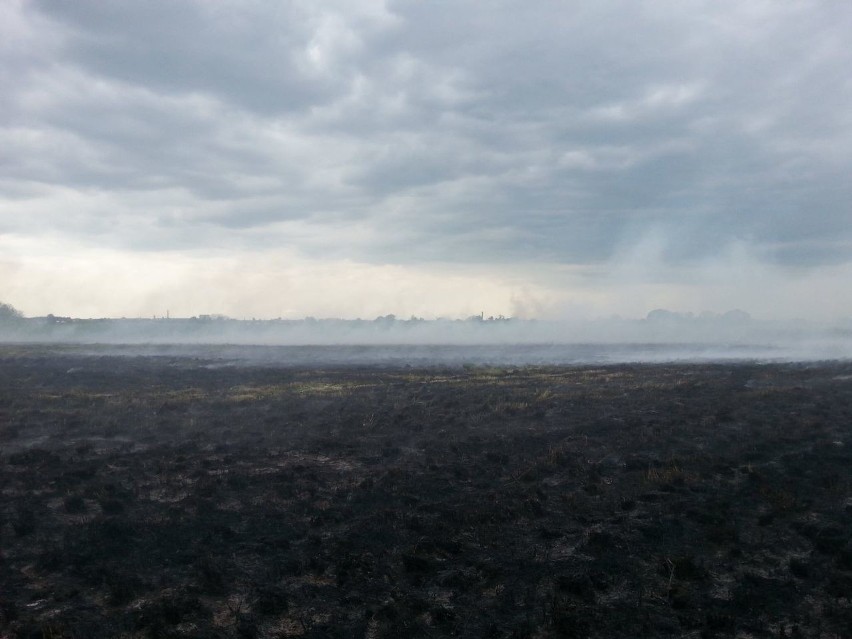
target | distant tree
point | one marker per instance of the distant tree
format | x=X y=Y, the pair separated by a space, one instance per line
x=9 y=313
x=663 y=315
x=736 y=316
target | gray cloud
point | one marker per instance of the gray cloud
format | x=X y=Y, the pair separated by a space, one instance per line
x=412 y=133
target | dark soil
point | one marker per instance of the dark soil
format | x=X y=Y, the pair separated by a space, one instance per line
x=157 y=497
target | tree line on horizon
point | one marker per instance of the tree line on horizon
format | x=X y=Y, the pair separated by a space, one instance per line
x=9 y=312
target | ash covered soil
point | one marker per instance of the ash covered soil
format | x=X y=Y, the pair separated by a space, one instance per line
x=173 y=497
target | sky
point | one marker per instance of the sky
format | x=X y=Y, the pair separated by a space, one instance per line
x=356 y=158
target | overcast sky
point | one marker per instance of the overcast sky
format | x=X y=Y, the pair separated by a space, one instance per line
x=355 y=158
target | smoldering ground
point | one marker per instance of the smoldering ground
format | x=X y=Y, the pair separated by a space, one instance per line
x=159 y=496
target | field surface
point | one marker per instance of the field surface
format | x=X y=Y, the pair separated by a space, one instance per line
x=168 y=496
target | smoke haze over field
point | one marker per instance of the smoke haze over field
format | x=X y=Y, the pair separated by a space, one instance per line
x=565 y=161
x=662 y=336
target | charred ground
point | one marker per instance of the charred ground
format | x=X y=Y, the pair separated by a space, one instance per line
x=160 y=497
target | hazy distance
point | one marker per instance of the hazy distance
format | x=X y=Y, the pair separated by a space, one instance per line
x=662 y=336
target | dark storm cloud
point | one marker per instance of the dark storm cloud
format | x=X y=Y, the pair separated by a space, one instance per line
x=440 y=131
x=247 y=54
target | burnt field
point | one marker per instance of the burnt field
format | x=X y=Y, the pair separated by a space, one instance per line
x=175 y=497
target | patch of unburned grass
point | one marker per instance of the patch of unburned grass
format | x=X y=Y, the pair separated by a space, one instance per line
x=298 y=389
x=255 y=393
x=75 y=394
x=322 y=388
x=185 y=395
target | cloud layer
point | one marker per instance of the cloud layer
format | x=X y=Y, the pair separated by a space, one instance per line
x=506 y=146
